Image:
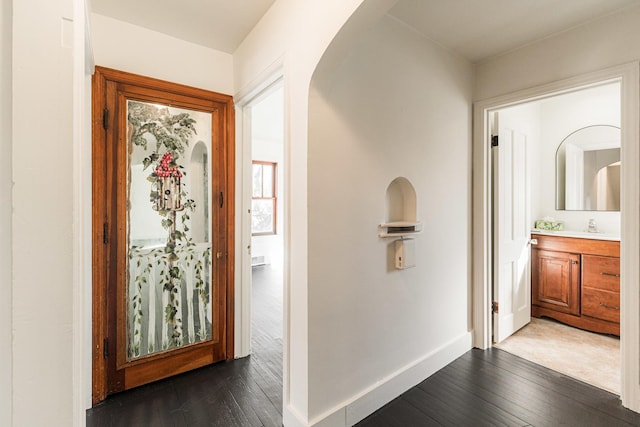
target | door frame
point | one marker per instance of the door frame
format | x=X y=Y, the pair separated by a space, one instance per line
x=628 y=75
x=272 y=78
x=101 y=247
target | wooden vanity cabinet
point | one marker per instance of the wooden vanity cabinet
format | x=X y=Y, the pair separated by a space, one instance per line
x=556 y=278
x=576 y=281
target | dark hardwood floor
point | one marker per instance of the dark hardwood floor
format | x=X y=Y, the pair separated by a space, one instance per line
x=242 y=392
x=496 y=388
x=481 y=388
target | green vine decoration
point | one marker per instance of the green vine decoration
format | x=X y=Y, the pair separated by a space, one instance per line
x=151 y=124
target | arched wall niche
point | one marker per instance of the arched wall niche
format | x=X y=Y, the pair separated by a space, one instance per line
x=401 y=201
x=400 y=209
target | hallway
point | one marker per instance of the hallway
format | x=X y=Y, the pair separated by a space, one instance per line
x=480 y=388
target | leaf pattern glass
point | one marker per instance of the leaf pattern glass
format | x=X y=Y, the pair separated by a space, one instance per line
x=168 y=228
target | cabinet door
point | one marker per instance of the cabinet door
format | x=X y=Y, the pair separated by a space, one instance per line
x=556 y=281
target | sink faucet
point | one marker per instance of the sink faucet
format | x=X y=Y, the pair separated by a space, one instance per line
x=593 y=228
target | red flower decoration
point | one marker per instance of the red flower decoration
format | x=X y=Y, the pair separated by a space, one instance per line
x=165 y=170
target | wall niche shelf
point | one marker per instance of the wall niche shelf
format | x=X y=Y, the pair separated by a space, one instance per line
x=399 y=229
x=400 y=215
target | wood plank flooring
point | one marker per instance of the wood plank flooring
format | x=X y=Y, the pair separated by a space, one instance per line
x=242 y=392
x=496 y=388
x=481 y=388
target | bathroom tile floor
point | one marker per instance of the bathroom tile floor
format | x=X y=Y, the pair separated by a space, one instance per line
x=586 y=356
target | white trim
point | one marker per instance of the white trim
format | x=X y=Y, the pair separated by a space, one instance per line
x=368 y=401
x=628 y=75
x=242 y=280
x=273 y=79
x=630 y=243
x=268 y=78
x=7 y=142
x=81 y=294
x=291 y=418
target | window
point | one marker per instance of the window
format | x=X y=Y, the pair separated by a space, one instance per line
x=263 y=201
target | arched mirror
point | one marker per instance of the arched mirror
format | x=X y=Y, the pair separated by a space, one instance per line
x=588 y=170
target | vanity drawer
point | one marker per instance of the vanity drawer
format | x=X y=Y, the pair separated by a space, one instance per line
x=601 y=272
x=601 y=304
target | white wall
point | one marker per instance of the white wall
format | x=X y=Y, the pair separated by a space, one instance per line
x=297 y=34
x=5 y=213
x=597 y=45
x=42 y=225
x=561 y=116
x=127 y=47
x=398 y=105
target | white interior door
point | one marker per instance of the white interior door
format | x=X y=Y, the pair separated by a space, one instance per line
x=512 y=270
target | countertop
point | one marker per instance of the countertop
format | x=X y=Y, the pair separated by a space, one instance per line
x=578 y=234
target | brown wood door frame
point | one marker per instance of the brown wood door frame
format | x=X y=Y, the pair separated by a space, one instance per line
x=103 y=252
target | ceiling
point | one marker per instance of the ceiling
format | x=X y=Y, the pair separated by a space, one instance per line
x=219 y=24
x=479 y=29
x=475 y=29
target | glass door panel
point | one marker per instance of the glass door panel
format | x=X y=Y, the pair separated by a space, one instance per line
x=168 y=291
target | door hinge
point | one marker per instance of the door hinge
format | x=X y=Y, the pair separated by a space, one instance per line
x=494 y=140
x=105 y=118
x=494 y=307
x=105 y=348
x=221 y=199
x=105 y=233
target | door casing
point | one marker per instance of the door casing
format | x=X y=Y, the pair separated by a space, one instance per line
x=629 y=77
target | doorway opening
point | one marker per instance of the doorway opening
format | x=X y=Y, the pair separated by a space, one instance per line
x=628 y=75
x=267 y=227
x=261 y=286
x=557 y=312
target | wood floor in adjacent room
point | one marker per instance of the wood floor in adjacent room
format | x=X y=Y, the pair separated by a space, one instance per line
x=481 y=388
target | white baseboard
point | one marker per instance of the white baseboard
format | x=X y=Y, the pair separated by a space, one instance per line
x=290 y=418
x=384 y=391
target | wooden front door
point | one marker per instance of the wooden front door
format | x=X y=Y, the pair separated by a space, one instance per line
x=162 y=229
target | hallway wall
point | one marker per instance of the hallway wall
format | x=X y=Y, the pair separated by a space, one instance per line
x=5 y=213
x=603 y=43
x=292 y=37
x=42 y=223
x=158 y=55
x=398 y=105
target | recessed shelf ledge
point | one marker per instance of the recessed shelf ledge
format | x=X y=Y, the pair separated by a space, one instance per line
x=399 y=229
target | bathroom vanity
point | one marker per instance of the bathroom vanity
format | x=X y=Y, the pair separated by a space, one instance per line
x=575 y=279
